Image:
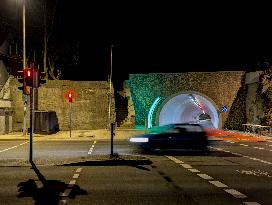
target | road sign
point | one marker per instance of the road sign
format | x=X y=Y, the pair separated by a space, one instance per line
x=224 y=108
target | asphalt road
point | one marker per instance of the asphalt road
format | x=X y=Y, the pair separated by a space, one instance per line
x=81 y=172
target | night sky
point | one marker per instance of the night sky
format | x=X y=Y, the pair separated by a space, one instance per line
x=164 y=37
x=161 y=36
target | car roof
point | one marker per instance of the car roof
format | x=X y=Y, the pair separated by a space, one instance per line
x=162 y=128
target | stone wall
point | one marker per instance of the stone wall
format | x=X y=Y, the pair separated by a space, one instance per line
x=221 y=87
x=89 y=107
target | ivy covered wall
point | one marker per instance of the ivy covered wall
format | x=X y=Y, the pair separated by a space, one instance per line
x=221 y=87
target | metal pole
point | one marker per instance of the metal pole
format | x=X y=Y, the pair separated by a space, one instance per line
x=24 y=66
x=70 y=119
x=112 y=128
x=31 y=127
x=110 y=88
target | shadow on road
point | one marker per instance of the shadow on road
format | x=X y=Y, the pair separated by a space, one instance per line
x=50 y=191
x=114 y=161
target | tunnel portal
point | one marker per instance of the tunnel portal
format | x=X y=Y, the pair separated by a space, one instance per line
x=188 y=107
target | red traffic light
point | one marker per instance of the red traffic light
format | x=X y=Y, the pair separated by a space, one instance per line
x=70 y=97
x=28 y=74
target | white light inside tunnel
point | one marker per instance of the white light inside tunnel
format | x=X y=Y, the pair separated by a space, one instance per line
x=181 y=109
x=151 y=111
x=195 y=101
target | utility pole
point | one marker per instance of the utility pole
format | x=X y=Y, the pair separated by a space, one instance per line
x=24 y=67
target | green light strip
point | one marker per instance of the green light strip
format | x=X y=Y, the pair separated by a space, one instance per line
x=151 y=111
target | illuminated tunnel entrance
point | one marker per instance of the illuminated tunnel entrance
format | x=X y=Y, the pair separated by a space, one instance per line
x=188 y=107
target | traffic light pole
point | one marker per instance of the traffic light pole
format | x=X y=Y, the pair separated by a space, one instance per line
x=24 y=66
x=70 y=119
x=31 y=127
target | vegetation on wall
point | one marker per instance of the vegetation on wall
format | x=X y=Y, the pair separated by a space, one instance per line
x=265 y=91
x=237 y=113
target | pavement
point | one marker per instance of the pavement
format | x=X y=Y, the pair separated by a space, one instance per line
x=99 y=134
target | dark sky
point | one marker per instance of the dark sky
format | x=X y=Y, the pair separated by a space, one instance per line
x=164 y=37
x=160 y=36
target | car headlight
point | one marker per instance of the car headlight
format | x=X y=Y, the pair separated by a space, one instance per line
x=138 y=139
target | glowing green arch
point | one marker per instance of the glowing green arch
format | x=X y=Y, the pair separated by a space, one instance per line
x=151 y=111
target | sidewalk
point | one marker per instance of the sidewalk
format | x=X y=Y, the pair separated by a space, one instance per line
x=81 y=135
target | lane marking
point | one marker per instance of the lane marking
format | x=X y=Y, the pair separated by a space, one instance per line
x=218 y=184
x=194 y=170
x=75 y=176
x=78 y=170
x=205 y=176
x=71 y=184
x=235 y=193
x=175 y=159
x=13 y=147
x=252 y=158
x=186 y=166
x=66 y=192
x=92 y=148
x=245 y=145
x=251 y=203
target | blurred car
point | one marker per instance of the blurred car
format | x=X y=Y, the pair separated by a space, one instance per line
x=183 y=136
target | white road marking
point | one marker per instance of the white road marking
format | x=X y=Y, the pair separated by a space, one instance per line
x=205 y=176
x=13 y=147
x=187 y=166
x=66 y=192
x=251 y=203
x=175 y=159
x=71 y=183
x=92 y=147
x=245 y=145
x=75 y=176
x=78 y=170
x=218 y=184
x=235 y=193
x=194 y=170
x=252 y=158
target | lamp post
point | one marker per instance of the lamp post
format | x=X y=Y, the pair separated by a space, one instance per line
x=24 y=66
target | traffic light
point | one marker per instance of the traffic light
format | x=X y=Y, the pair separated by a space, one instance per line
x=70 y=97
x=42 y=79
x=21 y=79
x=28 y=75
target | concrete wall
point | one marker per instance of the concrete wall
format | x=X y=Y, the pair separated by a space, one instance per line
x=224 y=88
x=89 y=108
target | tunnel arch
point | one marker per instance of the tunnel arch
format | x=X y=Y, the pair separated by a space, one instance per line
x=187 y=106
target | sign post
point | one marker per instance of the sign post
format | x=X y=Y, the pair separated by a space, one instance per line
x=70 y=97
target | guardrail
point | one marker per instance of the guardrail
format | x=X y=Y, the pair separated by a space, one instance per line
x=259 y=129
